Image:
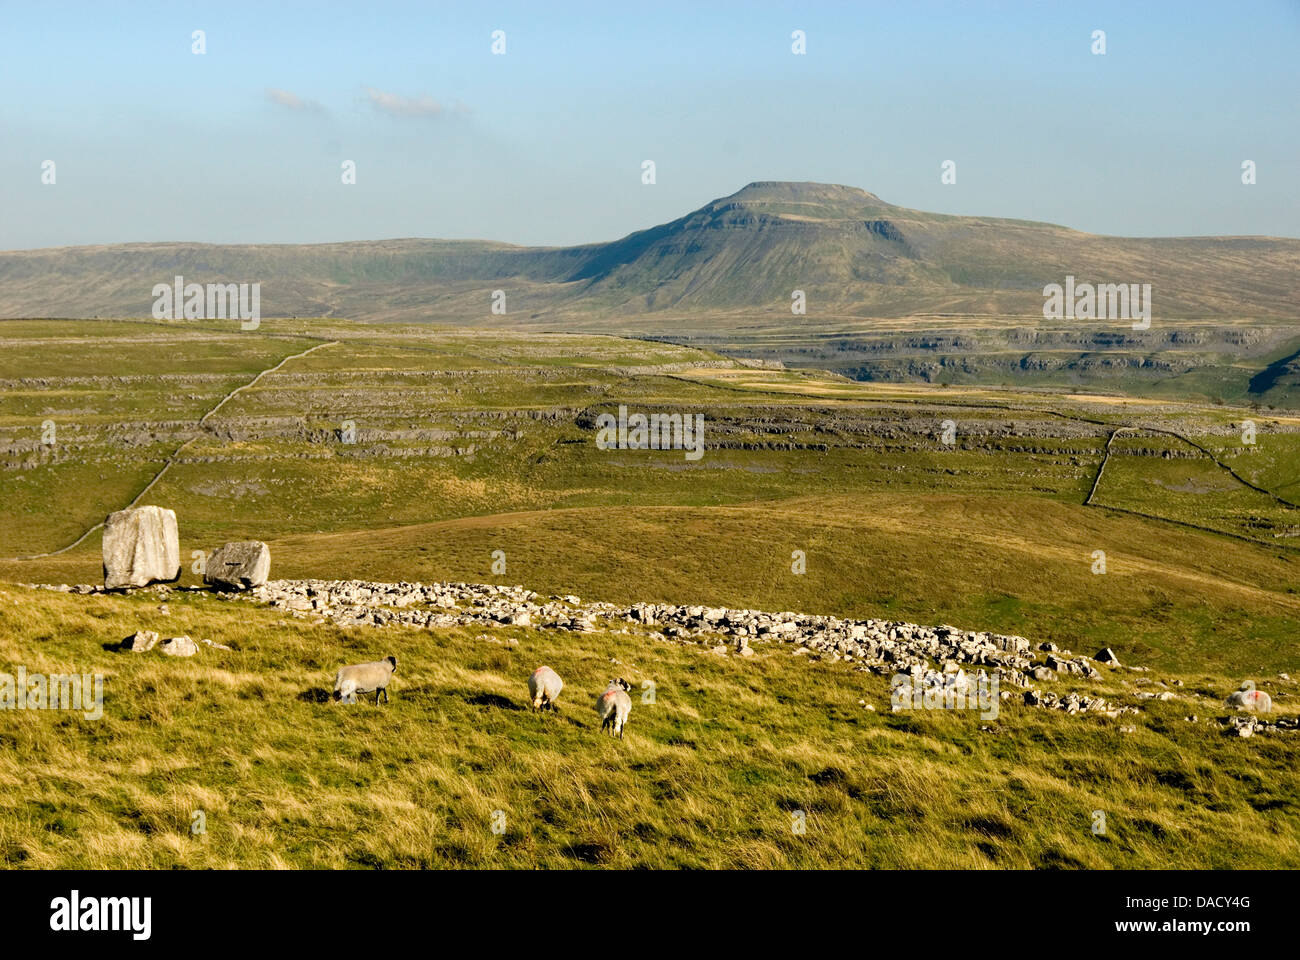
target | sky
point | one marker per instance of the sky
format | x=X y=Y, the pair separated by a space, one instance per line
x=545 y=143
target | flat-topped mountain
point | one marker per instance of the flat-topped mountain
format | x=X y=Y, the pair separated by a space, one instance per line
x=851 y=252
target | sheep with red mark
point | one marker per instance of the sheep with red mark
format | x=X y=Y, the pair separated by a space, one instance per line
x=1248 y=698
x=544 y=686
x=613 y=707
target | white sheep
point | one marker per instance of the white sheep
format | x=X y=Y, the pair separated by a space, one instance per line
x=1251 y=699
x=544 y=686
x=613 y=706
x=365 y=678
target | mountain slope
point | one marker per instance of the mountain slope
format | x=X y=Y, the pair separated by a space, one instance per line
x=851 y=252
x=849 y=249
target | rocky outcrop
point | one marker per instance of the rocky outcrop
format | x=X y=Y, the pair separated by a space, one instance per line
x=1074 y=702
x=141 y=546
x=1246 y=725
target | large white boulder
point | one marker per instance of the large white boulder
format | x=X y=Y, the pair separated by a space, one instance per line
x=141 y=546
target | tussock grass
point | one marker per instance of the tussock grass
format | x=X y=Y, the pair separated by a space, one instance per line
x=710 y=775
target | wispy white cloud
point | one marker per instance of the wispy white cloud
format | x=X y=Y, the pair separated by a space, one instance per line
x=291 y=100
x=396 y=105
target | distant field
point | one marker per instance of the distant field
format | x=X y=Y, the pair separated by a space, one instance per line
x=465 y=443
x=1243 y=361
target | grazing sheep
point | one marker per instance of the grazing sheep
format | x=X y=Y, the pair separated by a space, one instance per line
x=544 y=685
x=1251 y=699
x=365 y=678
x=613 y=706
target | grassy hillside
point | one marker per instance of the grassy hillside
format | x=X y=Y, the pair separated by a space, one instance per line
x=413 y=453
x=710 y=775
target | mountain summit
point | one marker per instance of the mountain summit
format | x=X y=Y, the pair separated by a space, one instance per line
x=822 y=201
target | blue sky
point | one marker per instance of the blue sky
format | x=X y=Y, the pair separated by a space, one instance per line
x=544 y=145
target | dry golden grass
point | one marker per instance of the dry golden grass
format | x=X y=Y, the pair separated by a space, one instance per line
x=713 y=774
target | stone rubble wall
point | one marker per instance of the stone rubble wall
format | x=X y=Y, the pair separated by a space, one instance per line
x=937 y=655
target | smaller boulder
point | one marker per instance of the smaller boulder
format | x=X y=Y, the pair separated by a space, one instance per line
x=1107 y=656
x=239 y=565
x=140 y=641
x=179 y=647
x=1061 y=665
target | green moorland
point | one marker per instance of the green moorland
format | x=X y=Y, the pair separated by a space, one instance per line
x=412 y=453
